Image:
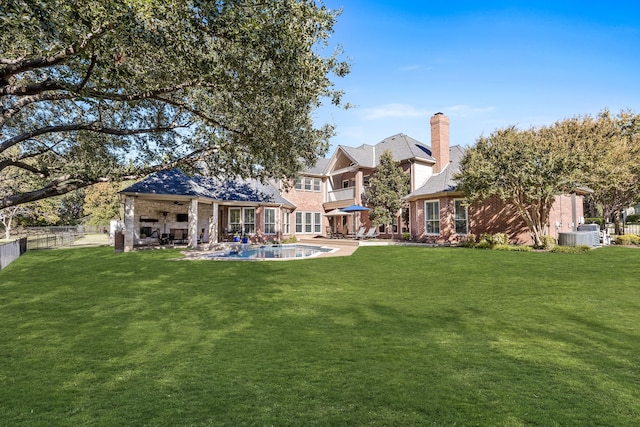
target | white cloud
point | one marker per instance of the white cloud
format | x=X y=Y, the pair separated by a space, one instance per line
x=394 y=110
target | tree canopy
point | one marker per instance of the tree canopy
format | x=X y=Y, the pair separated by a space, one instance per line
x=529 y=168
x=101 y=90
x=524 y=168
x=609 y=158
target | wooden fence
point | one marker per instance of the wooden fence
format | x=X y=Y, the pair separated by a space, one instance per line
x=11 y=251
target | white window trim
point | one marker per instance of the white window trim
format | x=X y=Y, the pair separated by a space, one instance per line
x=274 y=223
x=466 y=216
x=437 y=202
x=286 y=222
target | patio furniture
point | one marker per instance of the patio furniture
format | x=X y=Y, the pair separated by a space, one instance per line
x=360 y=233
x=179 y=235
x=330 y=233
x=372 y=233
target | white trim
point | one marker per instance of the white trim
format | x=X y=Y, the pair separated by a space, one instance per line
x=437 y=202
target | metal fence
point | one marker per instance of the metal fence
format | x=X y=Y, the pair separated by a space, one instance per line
x=49 y=241
x=10 y=251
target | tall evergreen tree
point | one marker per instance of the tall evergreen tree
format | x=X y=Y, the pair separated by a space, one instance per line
x=386 y=189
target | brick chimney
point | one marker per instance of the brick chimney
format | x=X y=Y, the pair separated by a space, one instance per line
x=440 y=141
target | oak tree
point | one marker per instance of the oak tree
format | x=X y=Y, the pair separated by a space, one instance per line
x=100 y=90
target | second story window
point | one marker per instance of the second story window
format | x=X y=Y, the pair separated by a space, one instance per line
x=309 y=184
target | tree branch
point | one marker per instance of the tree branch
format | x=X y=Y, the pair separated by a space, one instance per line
x=18 y=66
x=92 y=127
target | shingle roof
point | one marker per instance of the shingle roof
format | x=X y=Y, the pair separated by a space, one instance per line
x=402 y=147
x=318 y=168
x=442 y=182
x=174 y=182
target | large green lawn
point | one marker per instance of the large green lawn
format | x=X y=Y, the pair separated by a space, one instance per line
x=389 y=336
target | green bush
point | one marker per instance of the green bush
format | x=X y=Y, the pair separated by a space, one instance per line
x=599 y=221
x=406 y=236
x=571 y=249
x=548 y=242
x=628 y=239
x=495 y=239
x=469 y=241
x=513 y=248
x=292 y=239
x=632 y=219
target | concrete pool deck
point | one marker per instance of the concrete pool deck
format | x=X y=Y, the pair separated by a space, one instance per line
x=343 y=247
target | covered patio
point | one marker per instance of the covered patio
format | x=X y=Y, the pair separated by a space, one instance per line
x=175 y=208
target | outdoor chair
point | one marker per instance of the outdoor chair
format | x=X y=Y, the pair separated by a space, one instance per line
x=372 y=233
x=329 y=232
x=360 y=233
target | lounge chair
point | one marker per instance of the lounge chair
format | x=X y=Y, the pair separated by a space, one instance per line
x=372 y=233
x=360 y=233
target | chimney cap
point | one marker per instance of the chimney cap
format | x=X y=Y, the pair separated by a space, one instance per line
x=439 y=113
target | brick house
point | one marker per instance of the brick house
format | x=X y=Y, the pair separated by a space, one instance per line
x=200 y=209
x=438 y=213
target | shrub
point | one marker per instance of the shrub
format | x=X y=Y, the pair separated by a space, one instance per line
x=570 y=249
x=548 y=242
x=632 y=219
x=513 y=248
x=599 y=221
x=483 y=244
x=292 y=239
x=406 y=236
x=628 y=239
x=495 y=239
x=469 y=241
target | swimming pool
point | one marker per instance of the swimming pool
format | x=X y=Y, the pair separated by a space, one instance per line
x=248 y=252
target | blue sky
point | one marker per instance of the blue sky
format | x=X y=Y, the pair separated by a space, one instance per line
x=486 y=65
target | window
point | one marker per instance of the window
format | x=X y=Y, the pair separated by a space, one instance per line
x=308 y=222
x=317 y=222
x=235 y=224
x=365 y=180
x=432 y=217
x=286 y=223
x=249 y=220
x=309 y=184
x=270 y=221
x=345 y=183
x=461 y=216
x=299 y=222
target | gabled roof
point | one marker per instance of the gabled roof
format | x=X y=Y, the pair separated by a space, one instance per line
x=402 y=147
x=318 y=168
x=443 y=181
x=174 y=182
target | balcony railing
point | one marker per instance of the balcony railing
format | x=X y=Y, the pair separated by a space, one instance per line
x=342 y=194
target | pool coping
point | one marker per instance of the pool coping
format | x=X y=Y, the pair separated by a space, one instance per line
x=339 y=248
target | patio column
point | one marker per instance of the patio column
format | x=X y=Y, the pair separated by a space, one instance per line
x=213 y=225
x=129 y=221
x=193 y=224
x=278 y=229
